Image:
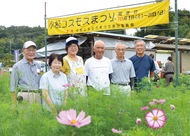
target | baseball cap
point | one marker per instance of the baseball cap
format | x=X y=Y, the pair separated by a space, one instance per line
x=71 y=40
x=29 y=44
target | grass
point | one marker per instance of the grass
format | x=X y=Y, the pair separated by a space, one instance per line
x=115 y=111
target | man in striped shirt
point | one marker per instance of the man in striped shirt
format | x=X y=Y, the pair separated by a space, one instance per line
x=25 y=76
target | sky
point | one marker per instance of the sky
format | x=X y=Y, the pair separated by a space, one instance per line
x=31 y=12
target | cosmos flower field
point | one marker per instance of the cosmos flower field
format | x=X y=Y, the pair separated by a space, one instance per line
x=155 y=110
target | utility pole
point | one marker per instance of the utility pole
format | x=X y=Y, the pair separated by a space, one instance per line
x=45 y=34
x=176 y=41
x=10 y=46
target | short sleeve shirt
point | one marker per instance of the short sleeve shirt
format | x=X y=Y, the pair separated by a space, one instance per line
x=122 y=71
x=143 y=65
x=56 y=86
x=98 y=72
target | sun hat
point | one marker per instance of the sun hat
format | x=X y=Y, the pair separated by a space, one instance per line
x=70 y=41
x=29 y=44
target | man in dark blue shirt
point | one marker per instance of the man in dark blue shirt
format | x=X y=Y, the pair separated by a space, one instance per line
x=143 y=64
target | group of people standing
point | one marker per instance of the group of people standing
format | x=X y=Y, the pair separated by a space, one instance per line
x=97 y=72
x=168 y=70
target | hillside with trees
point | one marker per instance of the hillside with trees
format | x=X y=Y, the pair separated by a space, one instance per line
x=13 y=37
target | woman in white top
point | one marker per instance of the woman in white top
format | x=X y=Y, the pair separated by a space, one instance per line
x=74 y=66
x=54 y=85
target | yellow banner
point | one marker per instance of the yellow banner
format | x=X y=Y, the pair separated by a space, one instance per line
x=148 y=15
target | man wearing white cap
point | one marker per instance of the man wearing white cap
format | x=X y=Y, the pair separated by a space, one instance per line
x=25 y=76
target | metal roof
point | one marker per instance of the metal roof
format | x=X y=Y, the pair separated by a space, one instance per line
x=117 y=36
x=101 y=34
x=168 y=40
x=171 y=47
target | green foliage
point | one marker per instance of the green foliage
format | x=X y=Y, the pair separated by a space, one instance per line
x=13 y=37
x=184 y=81
x=115 y=111
x=8 y=60
x=4 y=87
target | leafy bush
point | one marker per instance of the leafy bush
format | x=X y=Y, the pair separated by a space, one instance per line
x=8 y=60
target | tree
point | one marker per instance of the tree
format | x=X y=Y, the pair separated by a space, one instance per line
x=15 y=36
x=8 y=60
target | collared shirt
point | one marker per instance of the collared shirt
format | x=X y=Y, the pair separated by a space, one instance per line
x=169 y=67
x=142 y=65
x=55 y=85
x=122 y=71
x=24 y=76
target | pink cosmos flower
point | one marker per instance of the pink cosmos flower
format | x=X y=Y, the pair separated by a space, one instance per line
x=69 y=118
x=144 y=108
x=156 y=118
x=116 y=131
x=161 y=101
x=151 y=103
x=66 y=85
x=138 y=121
x=157 y=101
x=172 y=107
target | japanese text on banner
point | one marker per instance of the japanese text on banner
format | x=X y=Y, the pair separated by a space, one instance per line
x=148 y=15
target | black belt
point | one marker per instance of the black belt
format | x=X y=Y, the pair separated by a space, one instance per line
x=126 y=84
x=169 y=73
x=30 y=91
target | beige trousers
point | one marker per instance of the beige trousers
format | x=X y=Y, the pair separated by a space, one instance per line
x=30 y=97
x=125 y=89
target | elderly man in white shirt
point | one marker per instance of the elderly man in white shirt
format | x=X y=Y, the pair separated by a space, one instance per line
x=98 y=69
